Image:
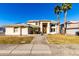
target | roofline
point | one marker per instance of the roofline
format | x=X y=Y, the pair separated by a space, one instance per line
x=21 y=25
x=73 y=23
x=16 y=25
x=72 y=28
x=33 y=21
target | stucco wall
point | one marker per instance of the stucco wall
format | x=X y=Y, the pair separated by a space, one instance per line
x=48 y=28
x=24 y=31
x=71 y=31
x=10 y=31
x=72 y=25
x=32 y=23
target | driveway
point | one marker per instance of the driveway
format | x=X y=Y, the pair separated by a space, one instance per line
x=39 y=47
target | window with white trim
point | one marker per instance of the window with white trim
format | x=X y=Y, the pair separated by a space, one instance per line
x=52 y=25
x=52 y=30
x=15 y=29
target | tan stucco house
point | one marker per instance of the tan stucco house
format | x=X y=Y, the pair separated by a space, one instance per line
x=72 y=27
x=44 y=26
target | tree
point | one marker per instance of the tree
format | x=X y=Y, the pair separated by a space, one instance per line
x=65 y=8
x=57 y=11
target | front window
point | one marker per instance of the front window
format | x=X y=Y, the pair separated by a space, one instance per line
x=15 y=29
x=52 y=25
x=52 y=30
x=36 y=23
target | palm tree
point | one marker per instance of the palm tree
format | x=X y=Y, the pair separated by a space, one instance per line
x=65 y=8
x=57 y=11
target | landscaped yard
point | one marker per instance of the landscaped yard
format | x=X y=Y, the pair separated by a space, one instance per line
x=62 y=39
x=15 y=39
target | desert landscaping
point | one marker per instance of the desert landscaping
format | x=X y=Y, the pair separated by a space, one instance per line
x=15 y=39
x=62 y=39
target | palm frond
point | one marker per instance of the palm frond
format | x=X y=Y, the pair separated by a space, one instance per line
x=66 y=6
x=57 y=9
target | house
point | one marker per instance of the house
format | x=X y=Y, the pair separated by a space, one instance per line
x=16 y=29
x=32 y=27
x=72 y=27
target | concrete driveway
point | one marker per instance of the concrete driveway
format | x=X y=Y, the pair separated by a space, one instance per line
x=39 y=47
x=24 y=50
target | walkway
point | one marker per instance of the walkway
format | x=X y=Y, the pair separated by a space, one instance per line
x=39 y=39
x=40 y=46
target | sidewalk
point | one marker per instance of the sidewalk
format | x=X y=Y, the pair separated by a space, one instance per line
x=24 y=50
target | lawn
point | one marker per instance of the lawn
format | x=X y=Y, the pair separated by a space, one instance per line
x=62 y=39
x=15 y=39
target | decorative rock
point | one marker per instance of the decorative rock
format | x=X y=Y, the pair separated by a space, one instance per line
x=23 y=42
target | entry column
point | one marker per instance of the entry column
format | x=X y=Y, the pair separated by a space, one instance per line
x=41 y=26
x=48 y=27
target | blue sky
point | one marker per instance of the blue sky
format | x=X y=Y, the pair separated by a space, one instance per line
x=11 y=13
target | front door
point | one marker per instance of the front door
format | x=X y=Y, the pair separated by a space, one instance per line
x=44 y=27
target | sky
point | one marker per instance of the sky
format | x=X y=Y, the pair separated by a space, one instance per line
x=11 y=13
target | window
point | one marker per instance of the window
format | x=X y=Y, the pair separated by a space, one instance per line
x=15 y=29
x=68 y=25
x=52 y=25
x=52 y=30
x=36 y=23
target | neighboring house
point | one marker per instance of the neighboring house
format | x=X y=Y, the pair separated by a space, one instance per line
x=72 y=27
x=44 y=26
